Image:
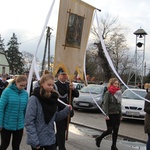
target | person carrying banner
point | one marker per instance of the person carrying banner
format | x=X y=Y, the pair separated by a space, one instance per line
x=112 y=108
x=63 y=87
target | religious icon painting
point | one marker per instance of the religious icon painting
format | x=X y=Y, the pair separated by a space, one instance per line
x=74 y=30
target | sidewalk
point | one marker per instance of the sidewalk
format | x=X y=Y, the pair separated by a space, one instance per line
x=97 y=121
x=77 y=142
x=80 y=142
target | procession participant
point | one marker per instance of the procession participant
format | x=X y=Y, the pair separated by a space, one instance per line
x=41 y=114
x=112 y=108
x=63 y=88
x=13 y=104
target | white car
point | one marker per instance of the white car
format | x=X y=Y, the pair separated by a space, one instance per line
x=132 y=105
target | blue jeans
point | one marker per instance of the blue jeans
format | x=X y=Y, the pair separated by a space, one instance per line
x=148 y=142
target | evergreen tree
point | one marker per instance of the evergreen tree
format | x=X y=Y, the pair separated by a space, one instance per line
x=14 y=56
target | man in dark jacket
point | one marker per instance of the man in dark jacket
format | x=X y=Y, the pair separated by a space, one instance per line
x=3 y=84
x=63 y=89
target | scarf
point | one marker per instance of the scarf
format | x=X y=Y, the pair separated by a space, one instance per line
x=49 y=104
x=113 y=89
x=116 y=92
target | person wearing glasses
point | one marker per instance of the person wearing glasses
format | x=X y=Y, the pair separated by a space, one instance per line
x=112 y=108
x=13 y=103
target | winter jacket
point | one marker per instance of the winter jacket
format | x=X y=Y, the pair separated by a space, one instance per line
x=13 y=104
x=38 y=132
x=111 y=105
x=147 y=115
x=64 y=91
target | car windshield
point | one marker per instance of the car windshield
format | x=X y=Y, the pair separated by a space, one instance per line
x=130 y=95
x=93 y=89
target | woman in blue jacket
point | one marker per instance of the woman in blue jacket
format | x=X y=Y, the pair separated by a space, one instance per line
x=13 y=104
x=42 y=113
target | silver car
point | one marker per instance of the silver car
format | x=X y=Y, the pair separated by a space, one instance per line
x=87 y=93
x=132 y=105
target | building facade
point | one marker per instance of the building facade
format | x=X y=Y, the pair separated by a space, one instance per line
x=4 y=64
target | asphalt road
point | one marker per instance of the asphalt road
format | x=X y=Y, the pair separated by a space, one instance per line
x=128 y=128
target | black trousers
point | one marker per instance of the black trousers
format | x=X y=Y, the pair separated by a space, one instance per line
x=52 y=147
x=61 y=127
x=16 y=139
x=112 y=127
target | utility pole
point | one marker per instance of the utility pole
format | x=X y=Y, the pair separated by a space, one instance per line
x=47 y=44
x=48 y=56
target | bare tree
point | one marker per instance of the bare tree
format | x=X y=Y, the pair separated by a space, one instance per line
x=90 y=64
x=28 y=57
x=113 y=35
x=108 y=25
x=119 y=52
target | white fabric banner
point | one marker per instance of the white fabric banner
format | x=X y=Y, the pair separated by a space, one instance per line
x=110 y=61
x=34 y=65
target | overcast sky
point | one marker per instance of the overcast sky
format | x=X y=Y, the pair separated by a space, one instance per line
x=26 y=19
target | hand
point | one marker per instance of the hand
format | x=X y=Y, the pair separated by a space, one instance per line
x=121 y=118
x=71 y=86
x=38 y=147
x=107 y=118
x=70 y=107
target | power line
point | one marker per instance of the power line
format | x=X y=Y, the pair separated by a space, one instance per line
x=36 y=38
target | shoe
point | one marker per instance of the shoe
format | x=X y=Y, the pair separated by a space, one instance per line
x=98 y=141
x=114 y=148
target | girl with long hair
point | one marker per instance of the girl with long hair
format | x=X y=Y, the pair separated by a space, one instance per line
x=13 y=104
x=42 y=113
x=112 y=108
